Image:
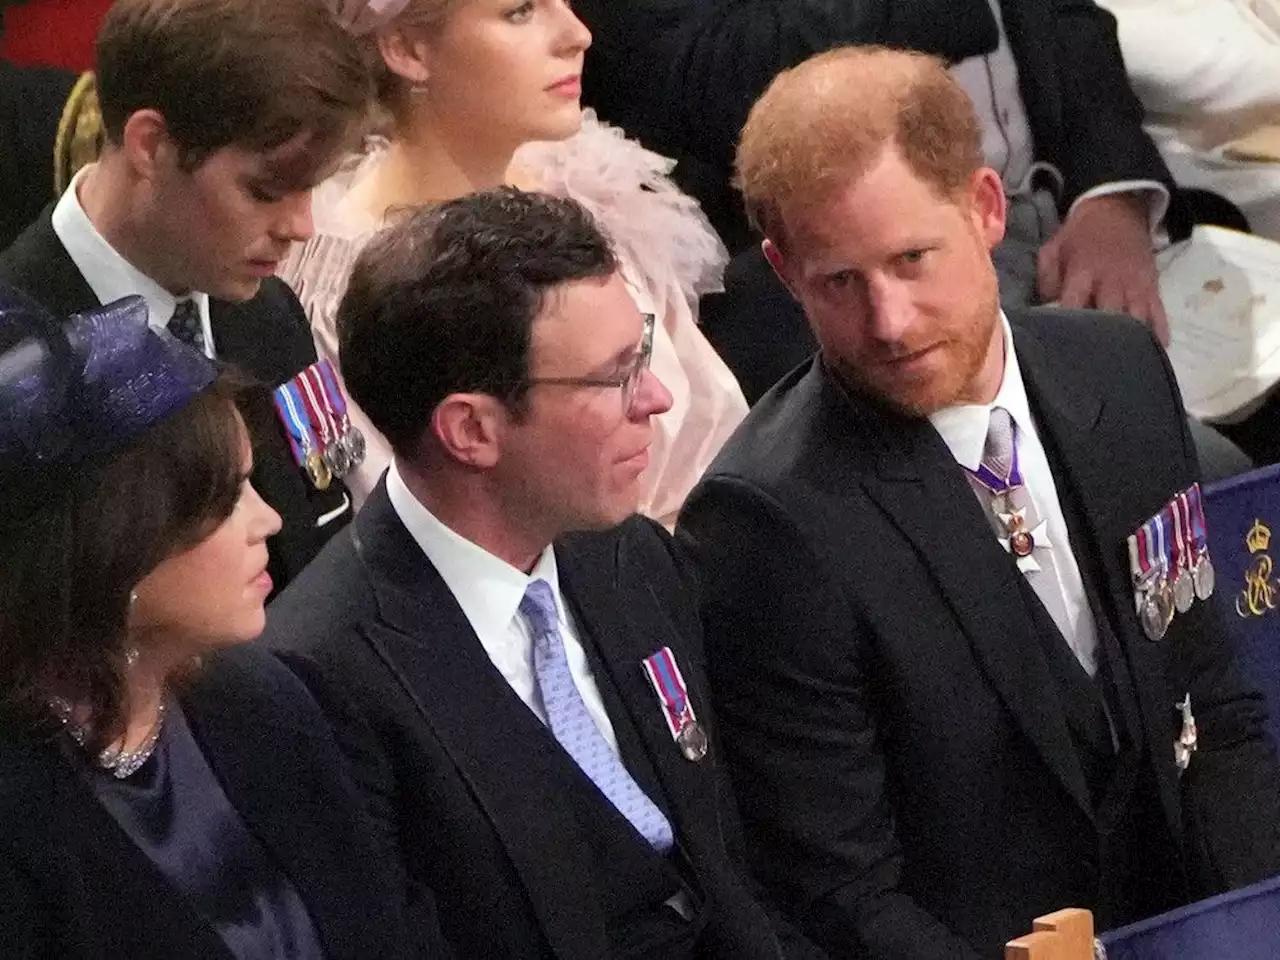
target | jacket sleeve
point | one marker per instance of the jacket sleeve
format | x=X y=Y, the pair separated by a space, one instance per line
x=682 y=593
x=689 y=70
x=787 y=663
x=1231 y=789
x=1102 y=136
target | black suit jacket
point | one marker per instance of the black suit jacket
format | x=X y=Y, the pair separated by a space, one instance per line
x=902 y=760
x=74 y=887
x=467 y=774
x=267 y=338
x=683 y=74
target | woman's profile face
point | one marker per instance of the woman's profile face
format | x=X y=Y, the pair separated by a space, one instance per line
x=507 y=70
x=212 y=594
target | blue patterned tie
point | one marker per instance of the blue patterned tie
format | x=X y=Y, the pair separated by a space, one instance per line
x=186 y=324
x=572 y=725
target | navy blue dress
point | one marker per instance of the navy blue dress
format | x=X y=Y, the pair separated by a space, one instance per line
x=175 y=810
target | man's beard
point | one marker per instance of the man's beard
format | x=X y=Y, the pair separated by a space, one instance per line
x=966 y=354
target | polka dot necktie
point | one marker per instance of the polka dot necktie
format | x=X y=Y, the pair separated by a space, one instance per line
x=572 y=725
x=186 y=324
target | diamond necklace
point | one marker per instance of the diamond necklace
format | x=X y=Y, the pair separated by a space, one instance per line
x=121 y=763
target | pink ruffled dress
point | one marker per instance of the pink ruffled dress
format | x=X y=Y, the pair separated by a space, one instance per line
x=670 y=256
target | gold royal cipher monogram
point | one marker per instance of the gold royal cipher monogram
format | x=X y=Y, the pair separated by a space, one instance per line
x=1261 y=592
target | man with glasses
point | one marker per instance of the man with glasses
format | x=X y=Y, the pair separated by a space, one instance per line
x=511 y=656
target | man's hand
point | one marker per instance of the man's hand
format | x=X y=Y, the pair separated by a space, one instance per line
x=1101 y=257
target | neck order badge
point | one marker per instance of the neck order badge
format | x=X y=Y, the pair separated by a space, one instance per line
x=999 y=476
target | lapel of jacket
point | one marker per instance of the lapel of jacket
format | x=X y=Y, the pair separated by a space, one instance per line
x=918 y=484
x=618 y=610
x=501 y=750
x=238 y=339
x=1071 y=414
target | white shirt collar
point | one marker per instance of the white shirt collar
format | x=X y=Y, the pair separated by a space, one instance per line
x=963 y=427
x=109 y=274
x=488 y=589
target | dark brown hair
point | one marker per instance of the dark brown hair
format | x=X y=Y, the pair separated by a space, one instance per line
x=823 y=124
x=75 y=548
x=249 y=73
x=444 y=302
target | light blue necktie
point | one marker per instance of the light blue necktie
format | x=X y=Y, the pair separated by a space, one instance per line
x=572 y=725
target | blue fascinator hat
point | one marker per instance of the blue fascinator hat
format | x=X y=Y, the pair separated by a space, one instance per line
x=76 y=388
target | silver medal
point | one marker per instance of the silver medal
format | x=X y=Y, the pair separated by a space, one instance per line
x=338 y=458
x=692 y=740
x=1203 y=576
x=354 y=442
x=1184 y=590
x=1152 y=617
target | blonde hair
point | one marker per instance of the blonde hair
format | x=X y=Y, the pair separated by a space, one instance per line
x=427 y=15
x=825 y=123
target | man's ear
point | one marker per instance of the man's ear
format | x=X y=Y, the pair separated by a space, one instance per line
x=988 y=206
x=781 y=266
x=146 y=145
x=468 y=427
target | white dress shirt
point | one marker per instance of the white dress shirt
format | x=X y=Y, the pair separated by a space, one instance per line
x=964 y=430
x=489 y=590
x=991 y=81
x=109 y=275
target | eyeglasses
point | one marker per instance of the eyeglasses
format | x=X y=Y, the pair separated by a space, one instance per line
x=629 y=379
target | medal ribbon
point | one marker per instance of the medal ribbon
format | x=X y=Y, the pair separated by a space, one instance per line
x=668 y=683
x=1181 y=536
x=1156 y=546
x=315 y=411
x=1197 y=519
x=1142 y=562
x=1139 y=560
x=289 y=408
x=320 y=388
x=337 y=401
x=1136 y=557
x=333 y=392
x=996 y=483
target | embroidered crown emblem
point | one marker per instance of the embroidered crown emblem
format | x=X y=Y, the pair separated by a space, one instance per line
x=1258 y=539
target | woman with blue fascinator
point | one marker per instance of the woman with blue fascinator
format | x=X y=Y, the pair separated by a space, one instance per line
x=166 y=790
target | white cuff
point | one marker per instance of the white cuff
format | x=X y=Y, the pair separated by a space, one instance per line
x=1157 y=199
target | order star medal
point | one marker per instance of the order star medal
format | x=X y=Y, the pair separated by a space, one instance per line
x=1020 y=541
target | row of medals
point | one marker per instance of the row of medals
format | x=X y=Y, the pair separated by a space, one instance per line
x=1160 y=595
x=336 y=459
